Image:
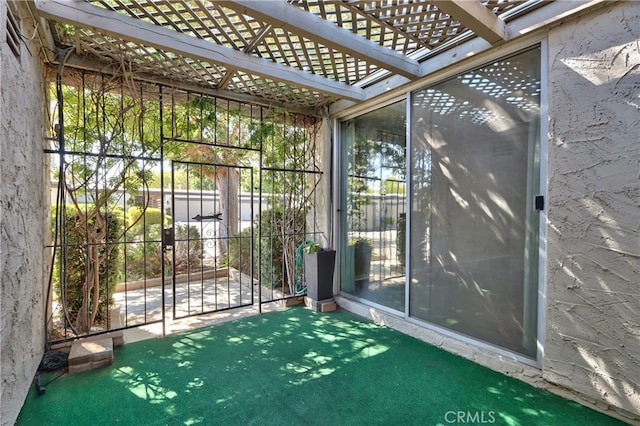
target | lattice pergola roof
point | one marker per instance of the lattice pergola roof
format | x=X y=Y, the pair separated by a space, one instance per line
x=302 y=54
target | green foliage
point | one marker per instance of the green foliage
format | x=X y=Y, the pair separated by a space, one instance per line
x=69 y=283
x=387 y=222
x=360 y=242
x=101 y=119
x=284 y=146
x=187 y=248
x=393 y=186
x=181 y=180
x=281 y=235
x=239 y=254
x=140 y=223
x=144 y=258
x=277 y=233
x=110 y=130
x=311 y=247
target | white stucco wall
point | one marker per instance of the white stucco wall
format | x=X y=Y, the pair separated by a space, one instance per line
x=23 y=215
x=593 y=280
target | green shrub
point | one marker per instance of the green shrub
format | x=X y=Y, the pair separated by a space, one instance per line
x=279 y=226
x=239 y=254
x=140 y=226
x=144 y=258
x=144 y=254
x=187 y=248
x=69 y=282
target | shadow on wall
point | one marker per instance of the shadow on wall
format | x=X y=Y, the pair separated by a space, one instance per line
x=593 y=319
x=474 y=157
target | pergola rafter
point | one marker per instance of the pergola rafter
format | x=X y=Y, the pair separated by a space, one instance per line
x=99 y=19
x=293 y=19
x=307 y=54
x=473 y=15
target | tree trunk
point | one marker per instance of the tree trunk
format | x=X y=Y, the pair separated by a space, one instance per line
x=95 y=265
x=288 y=254
x=227 y=181
x=82 y=320
x=96 y=236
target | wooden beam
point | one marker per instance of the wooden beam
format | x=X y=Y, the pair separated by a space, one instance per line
x=476 y=17
x=299 y=22
x=43 y=30
x=85 y=15
x=92 y=65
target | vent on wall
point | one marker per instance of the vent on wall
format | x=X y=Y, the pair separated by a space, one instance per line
x=13 y=31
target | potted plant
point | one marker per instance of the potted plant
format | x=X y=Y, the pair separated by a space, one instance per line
x=362 y=250
x=318 y=270
x=401 y=238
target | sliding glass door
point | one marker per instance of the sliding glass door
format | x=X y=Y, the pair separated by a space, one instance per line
x=372 y=250
x=474 y=167
x=473 y=175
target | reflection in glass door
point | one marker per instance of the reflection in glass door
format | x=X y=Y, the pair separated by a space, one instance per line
x=373 y=220
x=474 y=228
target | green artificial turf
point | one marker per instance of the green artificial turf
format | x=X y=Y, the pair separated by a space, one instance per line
x=295 y=367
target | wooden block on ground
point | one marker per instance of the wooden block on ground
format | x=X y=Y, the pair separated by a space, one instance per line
x=87 y=355
x=117 y=336
x=293 y=301
x=326 y=305
x=310 y=303
x=62 y=346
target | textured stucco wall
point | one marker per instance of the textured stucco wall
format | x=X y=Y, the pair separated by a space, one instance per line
x=23 y=214
x=593 y=292
x=592 y=312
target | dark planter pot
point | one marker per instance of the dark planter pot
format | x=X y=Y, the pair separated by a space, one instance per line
x=318 y=273
x=362 y=261
x=401 y=238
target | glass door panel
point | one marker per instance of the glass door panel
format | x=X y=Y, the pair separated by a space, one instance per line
x=374 y=200
x=474 y=176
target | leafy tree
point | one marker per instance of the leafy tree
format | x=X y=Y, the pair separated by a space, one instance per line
x=107 y=128
x=393 y=185
x=215 y=132
x=180 y=180
x=109 y=148
x=288 y=148
x=75 y=267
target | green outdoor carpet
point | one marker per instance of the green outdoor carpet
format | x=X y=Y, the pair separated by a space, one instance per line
x=295 y=367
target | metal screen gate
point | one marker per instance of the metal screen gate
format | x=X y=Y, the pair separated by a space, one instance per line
x=170 y=204
x=204 y=234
